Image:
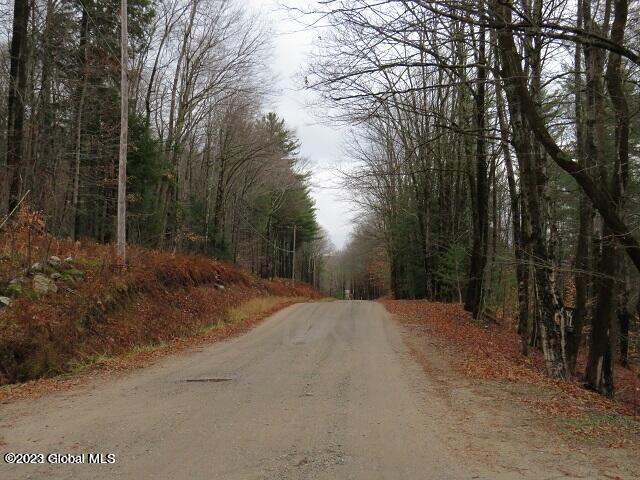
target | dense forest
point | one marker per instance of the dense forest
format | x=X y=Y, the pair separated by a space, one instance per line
x=208 y=170
x=495 y=161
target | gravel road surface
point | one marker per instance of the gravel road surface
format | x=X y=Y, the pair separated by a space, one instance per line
x=318 y=391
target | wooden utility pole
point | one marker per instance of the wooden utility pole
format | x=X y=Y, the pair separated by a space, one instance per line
x=124 y=127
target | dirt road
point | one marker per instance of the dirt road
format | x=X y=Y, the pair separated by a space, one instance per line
x=319 y=391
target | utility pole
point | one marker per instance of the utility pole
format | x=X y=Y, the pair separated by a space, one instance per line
x=124 y=130
x=293 y=257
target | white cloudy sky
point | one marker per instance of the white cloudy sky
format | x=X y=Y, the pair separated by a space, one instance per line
x=321 y=143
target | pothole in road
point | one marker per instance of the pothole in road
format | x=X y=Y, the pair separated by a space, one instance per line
x=205 y=380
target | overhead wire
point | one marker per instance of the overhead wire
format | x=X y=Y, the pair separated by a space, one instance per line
x=100 y=34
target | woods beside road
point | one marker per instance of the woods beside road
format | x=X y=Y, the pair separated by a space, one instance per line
x=494 y=160
x=210 y=168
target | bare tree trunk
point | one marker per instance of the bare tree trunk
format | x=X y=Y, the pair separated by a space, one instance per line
x=582 y=281
x=550 y=311
x=599 y=372
x=624 y=322
x=15 y=102
x=519 y=244
x=585 y=231
x=480 y=192
x=168 y=191
x=84 y=32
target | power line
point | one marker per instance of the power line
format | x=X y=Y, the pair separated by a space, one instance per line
x=86 y=10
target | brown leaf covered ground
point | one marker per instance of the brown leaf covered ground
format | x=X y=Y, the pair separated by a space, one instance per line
x=491 y=353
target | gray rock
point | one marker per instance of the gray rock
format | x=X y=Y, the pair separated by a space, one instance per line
x=68 y=260
x=220 y=287
x=36 y=267
x=55 y=276
x=43 y=284
x=54 y=261
x=5 y=301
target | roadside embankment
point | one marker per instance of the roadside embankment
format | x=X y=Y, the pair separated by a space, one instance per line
x=67 y=304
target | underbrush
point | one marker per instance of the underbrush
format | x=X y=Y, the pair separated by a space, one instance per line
x=94 y=309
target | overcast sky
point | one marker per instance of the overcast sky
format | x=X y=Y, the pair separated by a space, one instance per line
x=321 y=144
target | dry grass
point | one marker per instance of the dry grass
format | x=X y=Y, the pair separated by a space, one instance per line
x=257 y=306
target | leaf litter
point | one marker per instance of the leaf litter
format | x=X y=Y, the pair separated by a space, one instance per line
x=490 y=352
